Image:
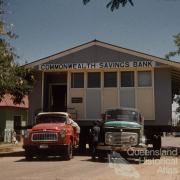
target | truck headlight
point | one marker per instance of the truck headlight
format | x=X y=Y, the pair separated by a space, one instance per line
x=109 y=139
x=132 y=139
x=63 y=133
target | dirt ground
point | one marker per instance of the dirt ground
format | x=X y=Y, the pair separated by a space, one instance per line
x=82 y=168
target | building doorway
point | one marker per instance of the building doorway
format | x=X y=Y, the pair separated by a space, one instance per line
x=58 y=98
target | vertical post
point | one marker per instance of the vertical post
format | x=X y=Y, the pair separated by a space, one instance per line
x=118 y=86
x=42 y=91
x=136 y=87
x=85 y=94
x=68 y=88
x=102 y=91
x=152 y=72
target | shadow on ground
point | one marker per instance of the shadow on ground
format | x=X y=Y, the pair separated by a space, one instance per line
x=43 y=159
x=86 y=153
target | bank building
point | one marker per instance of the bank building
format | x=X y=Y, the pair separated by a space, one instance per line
x=90 y=78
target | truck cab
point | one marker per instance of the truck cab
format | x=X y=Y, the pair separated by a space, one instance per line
x=52 y=135
x=121 y=131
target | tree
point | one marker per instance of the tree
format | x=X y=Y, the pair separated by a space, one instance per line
x=14 y=79
x=114 y=4
x=177 y=43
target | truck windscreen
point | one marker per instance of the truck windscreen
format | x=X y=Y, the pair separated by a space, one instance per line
x=122 y=115
x=50 y=119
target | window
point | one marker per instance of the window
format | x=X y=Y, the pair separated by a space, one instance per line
x=51 y=118
x=110 y=79
x=94 y=80
x=144 y=78
x=77 y=80
x=127 y=79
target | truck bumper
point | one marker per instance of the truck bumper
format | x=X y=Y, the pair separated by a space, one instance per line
x=121 y=148
x=45 y=149
x=136 y=151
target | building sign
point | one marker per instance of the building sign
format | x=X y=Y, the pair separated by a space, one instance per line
x=9 y=124
x=76 y=100
x=99 y=65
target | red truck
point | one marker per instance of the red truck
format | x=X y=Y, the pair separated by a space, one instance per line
x=52 y=134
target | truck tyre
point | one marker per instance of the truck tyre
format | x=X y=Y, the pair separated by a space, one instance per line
x=69 y=151
x=157 y=146
x=102 y=155
x=28 y=156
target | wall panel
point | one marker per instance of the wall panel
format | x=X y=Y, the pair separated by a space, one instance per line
x=93 y=103
x=127 y=97
x=79 y=107
x=110 y=98
x=145 y=102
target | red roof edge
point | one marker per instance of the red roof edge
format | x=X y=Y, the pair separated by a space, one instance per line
x=7 y=101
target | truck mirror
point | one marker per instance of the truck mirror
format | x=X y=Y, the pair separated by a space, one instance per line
x=141 y=119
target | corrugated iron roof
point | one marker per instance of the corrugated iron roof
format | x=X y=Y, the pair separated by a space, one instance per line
x=7 y=101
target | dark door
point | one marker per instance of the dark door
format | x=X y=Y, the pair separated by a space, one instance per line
x=17 y=126
x=59 y=98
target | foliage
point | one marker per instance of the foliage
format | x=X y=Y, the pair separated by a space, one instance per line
x=114 y=4
x=177 y=43
x=14 y=79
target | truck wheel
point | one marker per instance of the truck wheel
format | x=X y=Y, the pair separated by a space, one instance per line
x=102 y=155
x=157 y=146
x=28 y=156
x=69 y=151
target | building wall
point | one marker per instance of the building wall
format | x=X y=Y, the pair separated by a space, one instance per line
x=7 y=117
x=163 y=97
x=110 y=98
x=150 y=100
x=79 y=107
x=93 y=104
x=2 y=120
x=97 y=100
x=35 y=98
x=11 y=112
x=145 y=102
x=127 y=97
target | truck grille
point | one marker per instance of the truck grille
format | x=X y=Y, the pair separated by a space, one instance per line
x=121 y=138
x=44 y=136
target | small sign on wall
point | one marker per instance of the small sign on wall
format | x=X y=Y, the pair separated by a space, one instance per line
x=76 y=100
x=23 y=123
x=9 y=124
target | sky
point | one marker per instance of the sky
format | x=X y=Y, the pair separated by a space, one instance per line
x=46 y=27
